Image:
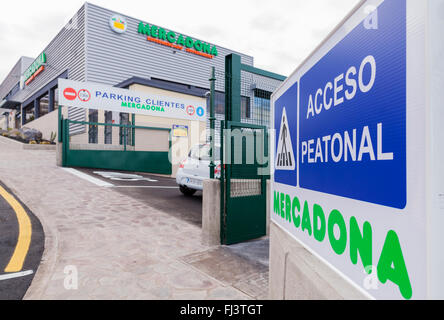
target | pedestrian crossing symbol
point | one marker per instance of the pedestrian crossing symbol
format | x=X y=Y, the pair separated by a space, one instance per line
x=285 y=155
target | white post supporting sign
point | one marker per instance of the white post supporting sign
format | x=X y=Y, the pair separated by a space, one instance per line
x=90 y=95
x=364 y=117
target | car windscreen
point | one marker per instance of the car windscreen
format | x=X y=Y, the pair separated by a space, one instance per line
x=202 y=152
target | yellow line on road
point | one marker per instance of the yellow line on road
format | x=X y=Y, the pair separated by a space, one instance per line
x=25 y=233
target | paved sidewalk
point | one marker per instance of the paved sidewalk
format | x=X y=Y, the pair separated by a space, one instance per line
x=122 y=248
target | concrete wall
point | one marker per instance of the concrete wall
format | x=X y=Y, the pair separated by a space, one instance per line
x=12 y=120
x=3 y=123
x=149 y=140
x=296 y=274
x=45 y=124
x=152 y=140
x=211 y=213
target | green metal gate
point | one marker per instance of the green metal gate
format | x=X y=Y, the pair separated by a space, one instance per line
x=245 y=150
x=122 y=156
x=245 y=181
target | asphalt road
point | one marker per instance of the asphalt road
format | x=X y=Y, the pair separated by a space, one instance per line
x=14 y=284
x=158 y=192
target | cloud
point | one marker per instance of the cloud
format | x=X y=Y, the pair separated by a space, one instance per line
x=269 y=22
x=279 y=34
x=209 y=31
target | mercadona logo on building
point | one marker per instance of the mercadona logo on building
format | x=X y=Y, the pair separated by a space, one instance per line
x=177 y=41
x=118 y=23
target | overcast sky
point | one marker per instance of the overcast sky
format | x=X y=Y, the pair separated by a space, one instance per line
x=279 y=34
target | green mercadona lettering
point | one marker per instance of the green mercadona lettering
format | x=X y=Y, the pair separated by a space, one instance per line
x=142 y=106
x=41 y=60
x=313 y=221
x=172 y=37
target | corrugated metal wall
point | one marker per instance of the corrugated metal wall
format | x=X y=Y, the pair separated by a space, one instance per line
x=14 y=75
x=65 y=51
x=11 y=79
x=91 y=51
x=113 y=57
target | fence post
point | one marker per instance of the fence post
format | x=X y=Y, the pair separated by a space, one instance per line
x=65 y=145
x=59 y=133
x=125 y=129
x=60 y=122
x=133 y=130
x=222 y=185
x=212 y=120
x=233 y=88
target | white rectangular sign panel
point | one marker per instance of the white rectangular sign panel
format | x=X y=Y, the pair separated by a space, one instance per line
x=356 y=180
x=90 y=95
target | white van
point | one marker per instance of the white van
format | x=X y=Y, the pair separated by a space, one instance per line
x=195 y=169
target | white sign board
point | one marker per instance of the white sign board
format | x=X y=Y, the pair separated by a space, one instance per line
x=364 y=195
x=90 y=95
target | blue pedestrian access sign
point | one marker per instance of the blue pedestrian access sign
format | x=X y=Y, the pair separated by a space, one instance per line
x=358 y=152
x=286 y=160
x=352 y=115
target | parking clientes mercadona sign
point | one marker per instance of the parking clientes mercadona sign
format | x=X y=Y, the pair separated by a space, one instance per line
x=350 y=151
x=90 y=95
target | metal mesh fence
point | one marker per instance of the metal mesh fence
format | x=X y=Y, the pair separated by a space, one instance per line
x=245 y=187
x=99 y=131
x=255 y=98
x=255 y=92
x=219 y=107
x=255 y=109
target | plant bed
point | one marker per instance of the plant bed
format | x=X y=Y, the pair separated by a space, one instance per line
x=18 y=138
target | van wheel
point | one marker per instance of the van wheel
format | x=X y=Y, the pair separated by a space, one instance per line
x=187 y=191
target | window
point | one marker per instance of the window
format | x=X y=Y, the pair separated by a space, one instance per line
x=108 y=129
x=245 y=108
x=262 y=107
x=219 y=104
x=93 y=130
x=56 y=98
x=262 y=94
x=44 y=105
x=29 y=113
x=124 y=132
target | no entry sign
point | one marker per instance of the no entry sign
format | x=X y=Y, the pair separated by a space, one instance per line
x=355 y=116
x=70 y=94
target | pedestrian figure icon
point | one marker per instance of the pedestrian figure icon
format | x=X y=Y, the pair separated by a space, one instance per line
x=284 y=154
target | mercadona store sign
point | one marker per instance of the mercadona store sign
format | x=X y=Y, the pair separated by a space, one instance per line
x=350 y=164
x=90 y=95
x=177 y=41
x=35 y=68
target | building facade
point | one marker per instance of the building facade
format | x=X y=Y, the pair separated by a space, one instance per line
x=102 y=46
